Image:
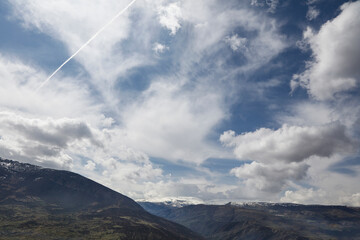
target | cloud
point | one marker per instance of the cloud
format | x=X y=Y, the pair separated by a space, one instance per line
x=319 y=196
x=59 y=133
x=309 y=196
x=289 y=143
x=33 y=127
x=87 y=43
x=170 y=17
x=90 y=165
x=160 y=48
x=17 y=93
x=42 y=140
x=304 y=46
x=257 y=3
x=312 y=13
x=73 y=24
x=352 y=200
x=270 y=178
x=311 y=114
x=309 y=2
x=336 y=56
x=173 y=124
x=272 y=4
x=236 y=43
x=174 y=116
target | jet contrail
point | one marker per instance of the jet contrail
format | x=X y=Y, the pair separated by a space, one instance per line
x=87 y=43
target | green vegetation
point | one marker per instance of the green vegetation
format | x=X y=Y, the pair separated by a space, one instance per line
x=47 y=204
x=18 y=221
x=264 y=221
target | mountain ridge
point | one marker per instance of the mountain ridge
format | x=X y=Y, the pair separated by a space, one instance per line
x=264 y=220
x=42 y=203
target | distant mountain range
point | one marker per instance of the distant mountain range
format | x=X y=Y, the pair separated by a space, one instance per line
x=256 y=221
x=39 y=203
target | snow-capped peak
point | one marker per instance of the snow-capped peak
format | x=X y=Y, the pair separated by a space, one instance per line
x=175 y=201
x=17 y=166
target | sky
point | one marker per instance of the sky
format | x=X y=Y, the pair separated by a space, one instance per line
x=207 y=100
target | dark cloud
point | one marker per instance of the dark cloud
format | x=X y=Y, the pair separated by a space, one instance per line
x=43 y=142
x=59 y=135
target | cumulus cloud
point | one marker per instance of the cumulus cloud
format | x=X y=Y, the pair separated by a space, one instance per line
x=90 y=165
x=270 y=178
x=236 y=43
x=310 y=113
x=42 y=140
x=336 y=55
x=160 y=48
x=59 y=133
x=309 y=196
x=33 y=127
x=312 y=13
x=352 y=200
x=319 y=196
x=289 y=143
x=304 y=46
x=170 y=17
x=257 y=3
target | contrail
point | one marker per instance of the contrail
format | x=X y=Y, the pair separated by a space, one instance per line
x=87 y=43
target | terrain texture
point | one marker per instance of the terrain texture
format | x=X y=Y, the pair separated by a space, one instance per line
x=264 y=220
x=38 y=203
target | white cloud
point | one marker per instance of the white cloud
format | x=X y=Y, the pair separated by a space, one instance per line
x=257 y=3
x=272 y=4
x=73 y=23
x=43 y=140
x=304 y=46
x=305 y=196
x=312 y=13
x=107 y=62
x=336 y=56
x=309 y=113
x=160 y=48
x=170 y=17
x=309 y=2
x=352 y=200
x=289 y=143
x=319 y=196
x=173 y=117
x=173 y=125
x=270 y=178
x=90 y=165
x=236 y=43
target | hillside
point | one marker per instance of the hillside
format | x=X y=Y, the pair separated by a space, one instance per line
x=264 y=221
x=39 y=203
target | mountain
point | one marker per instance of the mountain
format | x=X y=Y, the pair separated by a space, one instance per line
x=175 y=202
x=258 y=221
x=41 y=203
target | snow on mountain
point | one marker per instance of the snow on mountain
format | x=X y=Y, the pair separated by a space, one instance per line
x=174 y=201
x=17 y=166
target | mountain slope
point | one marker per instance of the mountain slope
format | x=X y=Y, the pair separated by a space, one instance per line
x=38 y=203
x=264 y=221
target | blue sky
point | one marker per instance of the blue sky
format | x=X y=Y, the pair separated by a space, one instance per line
x=248 y=100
